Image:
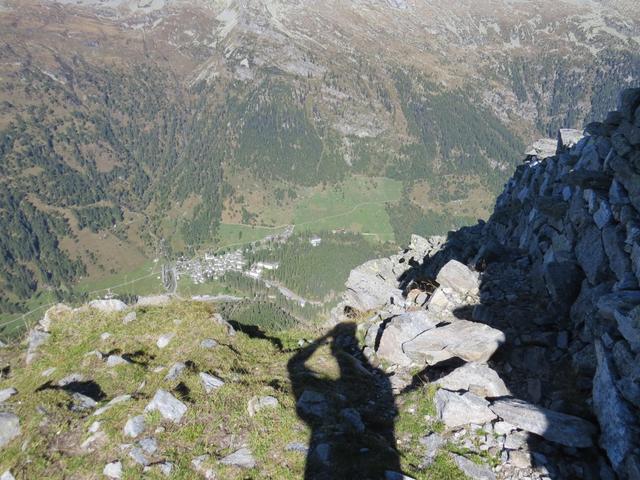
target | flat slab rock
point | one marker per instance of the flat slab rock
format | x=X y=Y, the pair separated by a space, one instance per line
x=456 y=409
x=401 y=329
x=554 y=426
x=242 y=458
x=459 y=278
x=372 y=285
x=470 y=341
x=477 y=378
x=473 y=470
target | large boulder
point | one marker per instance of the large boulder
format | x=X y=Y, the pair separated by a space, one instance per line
x=459 y=278
x=153 y=300
x=401 y=329
x=456 y=409
x=372 y=285
x=477 y=378
x=108 y=305
x=9 y=427
x=554 y=426
x=470 y=341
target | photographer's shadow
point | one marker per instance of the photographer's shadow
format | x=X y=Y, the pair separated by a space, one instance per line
x=351 y=413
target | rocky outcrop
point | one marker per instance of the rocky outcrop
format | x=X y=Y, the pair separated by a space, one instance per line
x=547 y=290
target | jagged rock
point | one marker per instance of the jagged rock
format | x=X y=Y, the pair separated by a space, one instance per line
x=470 y=341
x=312 y=404
x=7 y=393
x=628 y=102
x=554 y=426
x=456 y=409
x=9 y=428
x=476 y=378
x=543 y=148
x=169 y=406
x=108 y=306
x=591 y=256
x=242 y=458
x=113 y=470
x=164 y=340
x=372 y=285
x=618 y=423
x=134 y=426
x=258 y=403
x=399 y=330
x=459 y=278
x=472 y=469
x=166 y=468
x=129 y=317
x=209 y=382
x=629 y=326
x=35 y=340
x=175 y=371
x=52 y=313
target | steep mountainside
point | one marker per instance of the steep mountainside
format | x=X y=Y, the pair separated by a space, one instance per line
x=138 y=127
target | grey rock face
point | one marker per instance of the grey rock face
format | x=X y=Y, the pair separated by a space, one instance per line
x=459 y=278
x=554 y=426
x=134 y=426
x=9 y=428
x=242 y=458
x=470 y=341
x=618 y=423
x=169 y=406
x=476 y=378
x=629 y=326
x=456 y=409
x=399 y=330
x=432 y=444
x=209 y=382
x=473 y=470
x=108 y=306
x=372 y=285
x=259 y=403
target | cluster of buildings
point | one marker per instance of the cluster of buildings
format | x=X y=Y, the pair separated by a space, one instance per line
x=210 y=266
